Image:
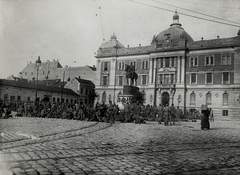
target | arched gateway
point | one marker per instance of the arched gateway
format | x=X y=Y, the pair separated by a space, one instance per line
x=165 y=98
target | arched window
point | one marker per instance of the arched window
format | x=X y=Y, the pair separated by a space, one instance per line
x=208 y=98
x=225 y=99
x=120 y=66
x=192 y=98
x=104 y=96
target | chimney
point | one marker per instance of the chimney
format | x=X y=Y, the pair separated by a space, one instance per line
x=139 y=45
x=218 y=37
x=79 y=77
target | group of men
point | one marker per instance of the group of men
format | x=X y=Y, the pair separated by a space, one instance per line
x=101 y=112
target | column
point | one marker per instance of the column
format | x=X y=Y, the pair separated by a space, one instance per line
x=150 y=71
x=154 y=69
x=182 y=70
x=178 y=70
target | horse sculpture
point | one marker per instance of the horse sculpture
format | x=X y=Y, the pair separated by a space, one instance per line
x=131 y=74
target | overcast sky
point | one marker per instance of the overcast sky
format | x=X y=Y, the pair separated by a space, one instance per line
x=73 y=30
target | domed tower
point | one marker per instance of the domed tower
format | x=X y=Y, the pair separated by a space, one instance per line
x=174 y=33
x=112 y=43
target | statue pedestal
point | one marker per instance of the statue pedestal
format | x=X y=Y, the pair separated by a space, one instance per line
x=129 y=92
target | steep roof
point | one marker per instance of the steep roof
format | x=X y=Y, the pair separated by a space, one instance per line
x=86 y=82
x=18 y=84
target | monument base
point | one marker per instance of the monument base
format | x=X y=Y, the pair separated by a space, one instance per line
x=130 y=94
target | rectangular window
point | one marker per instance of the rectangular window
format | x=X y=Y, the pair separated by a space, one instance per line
x=12 y=98
x=49 y=72
x=226 y=60
x=166 y=78
x=86 y=91
x=58 y=99
x=225 y=112
x=172 y=62
x=193 y=78
x=120 y=80
x=18 y=98
x=105 y=66
x=160 y=80
x=226 y=79
x=172 y=78
x=71 y=100
x=209 y=78
x=209 y=61
x=160 y=63
x=143 y=64
x=144 y=79
x=146 y=65
x=167 y=62
x=119 y=66
x=67 y=100
x=28 y=98
x=104 y=80
x=193 y=62
x=54 y=99
x=43 y=72
x=81 y=90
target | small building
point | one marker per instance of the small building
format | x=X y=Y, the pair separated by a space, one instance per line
x=19 y=91
x=84 y=88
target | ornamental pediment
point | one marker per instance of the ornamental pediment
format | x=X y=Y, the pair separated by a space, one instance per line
x=167 y=69
x=105 y=73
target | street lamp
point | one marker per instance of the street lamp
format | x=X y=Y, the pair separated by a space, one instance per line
x=38 y=65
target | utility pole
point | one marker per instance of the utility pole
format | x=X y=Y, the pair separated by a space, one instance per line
x=62 y=87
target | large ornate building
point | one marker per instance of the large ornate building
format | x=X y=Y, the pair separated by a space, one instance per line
x=174 y=69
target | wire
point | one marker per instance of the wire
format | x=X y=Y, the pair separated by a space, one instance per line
x=196 y=12
x=101 y=22
x=185 y=14
x=210 y=5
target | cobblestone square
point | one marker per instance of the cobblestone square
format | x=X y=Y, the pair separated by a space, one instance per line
x=56 y=146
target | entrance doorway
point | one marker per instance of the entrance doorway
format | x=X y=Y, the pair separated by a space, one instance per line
x=165 y=98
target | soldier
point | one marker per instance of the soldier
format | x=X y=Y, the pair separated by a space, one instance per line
x=159 y=113
x=136 y=110
x=166 y=114
x=126 y=112
x=172 y=114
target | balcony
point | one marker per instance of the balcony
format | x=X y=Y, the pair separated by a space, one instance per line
x=166 y=86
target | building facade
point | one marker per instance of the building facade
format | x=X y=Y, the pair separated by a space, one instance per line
x=54 y=70
x=174 y=69
x=21 y=91
x=84 y=88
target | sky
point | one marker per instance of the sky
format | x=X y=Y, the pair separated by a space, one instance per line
x=73 y=30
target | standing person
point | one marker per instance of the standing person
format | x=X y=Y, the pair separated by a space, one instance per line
x=126 y=112
x=166 y=114
x=159 y=113
x=172 y=114
x=205 y=124
x=136 y=110
x=211 y=115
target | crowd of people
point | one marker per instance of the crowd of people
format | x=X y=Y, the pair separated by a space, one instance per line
x=101 y=112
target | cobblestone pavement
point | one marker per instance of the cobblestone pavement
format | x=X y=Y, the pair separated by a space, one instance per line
x=55 y=146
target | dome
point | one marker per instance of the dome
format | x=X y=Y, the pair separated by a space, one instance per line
x=112 y=43
x=175 y=32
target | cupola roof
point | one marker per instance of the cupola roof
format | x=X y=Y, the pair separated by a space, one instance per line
x=112 y=43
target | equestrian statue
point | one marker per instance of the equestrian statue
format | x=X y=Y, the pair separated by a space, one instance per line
x=131 y=74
